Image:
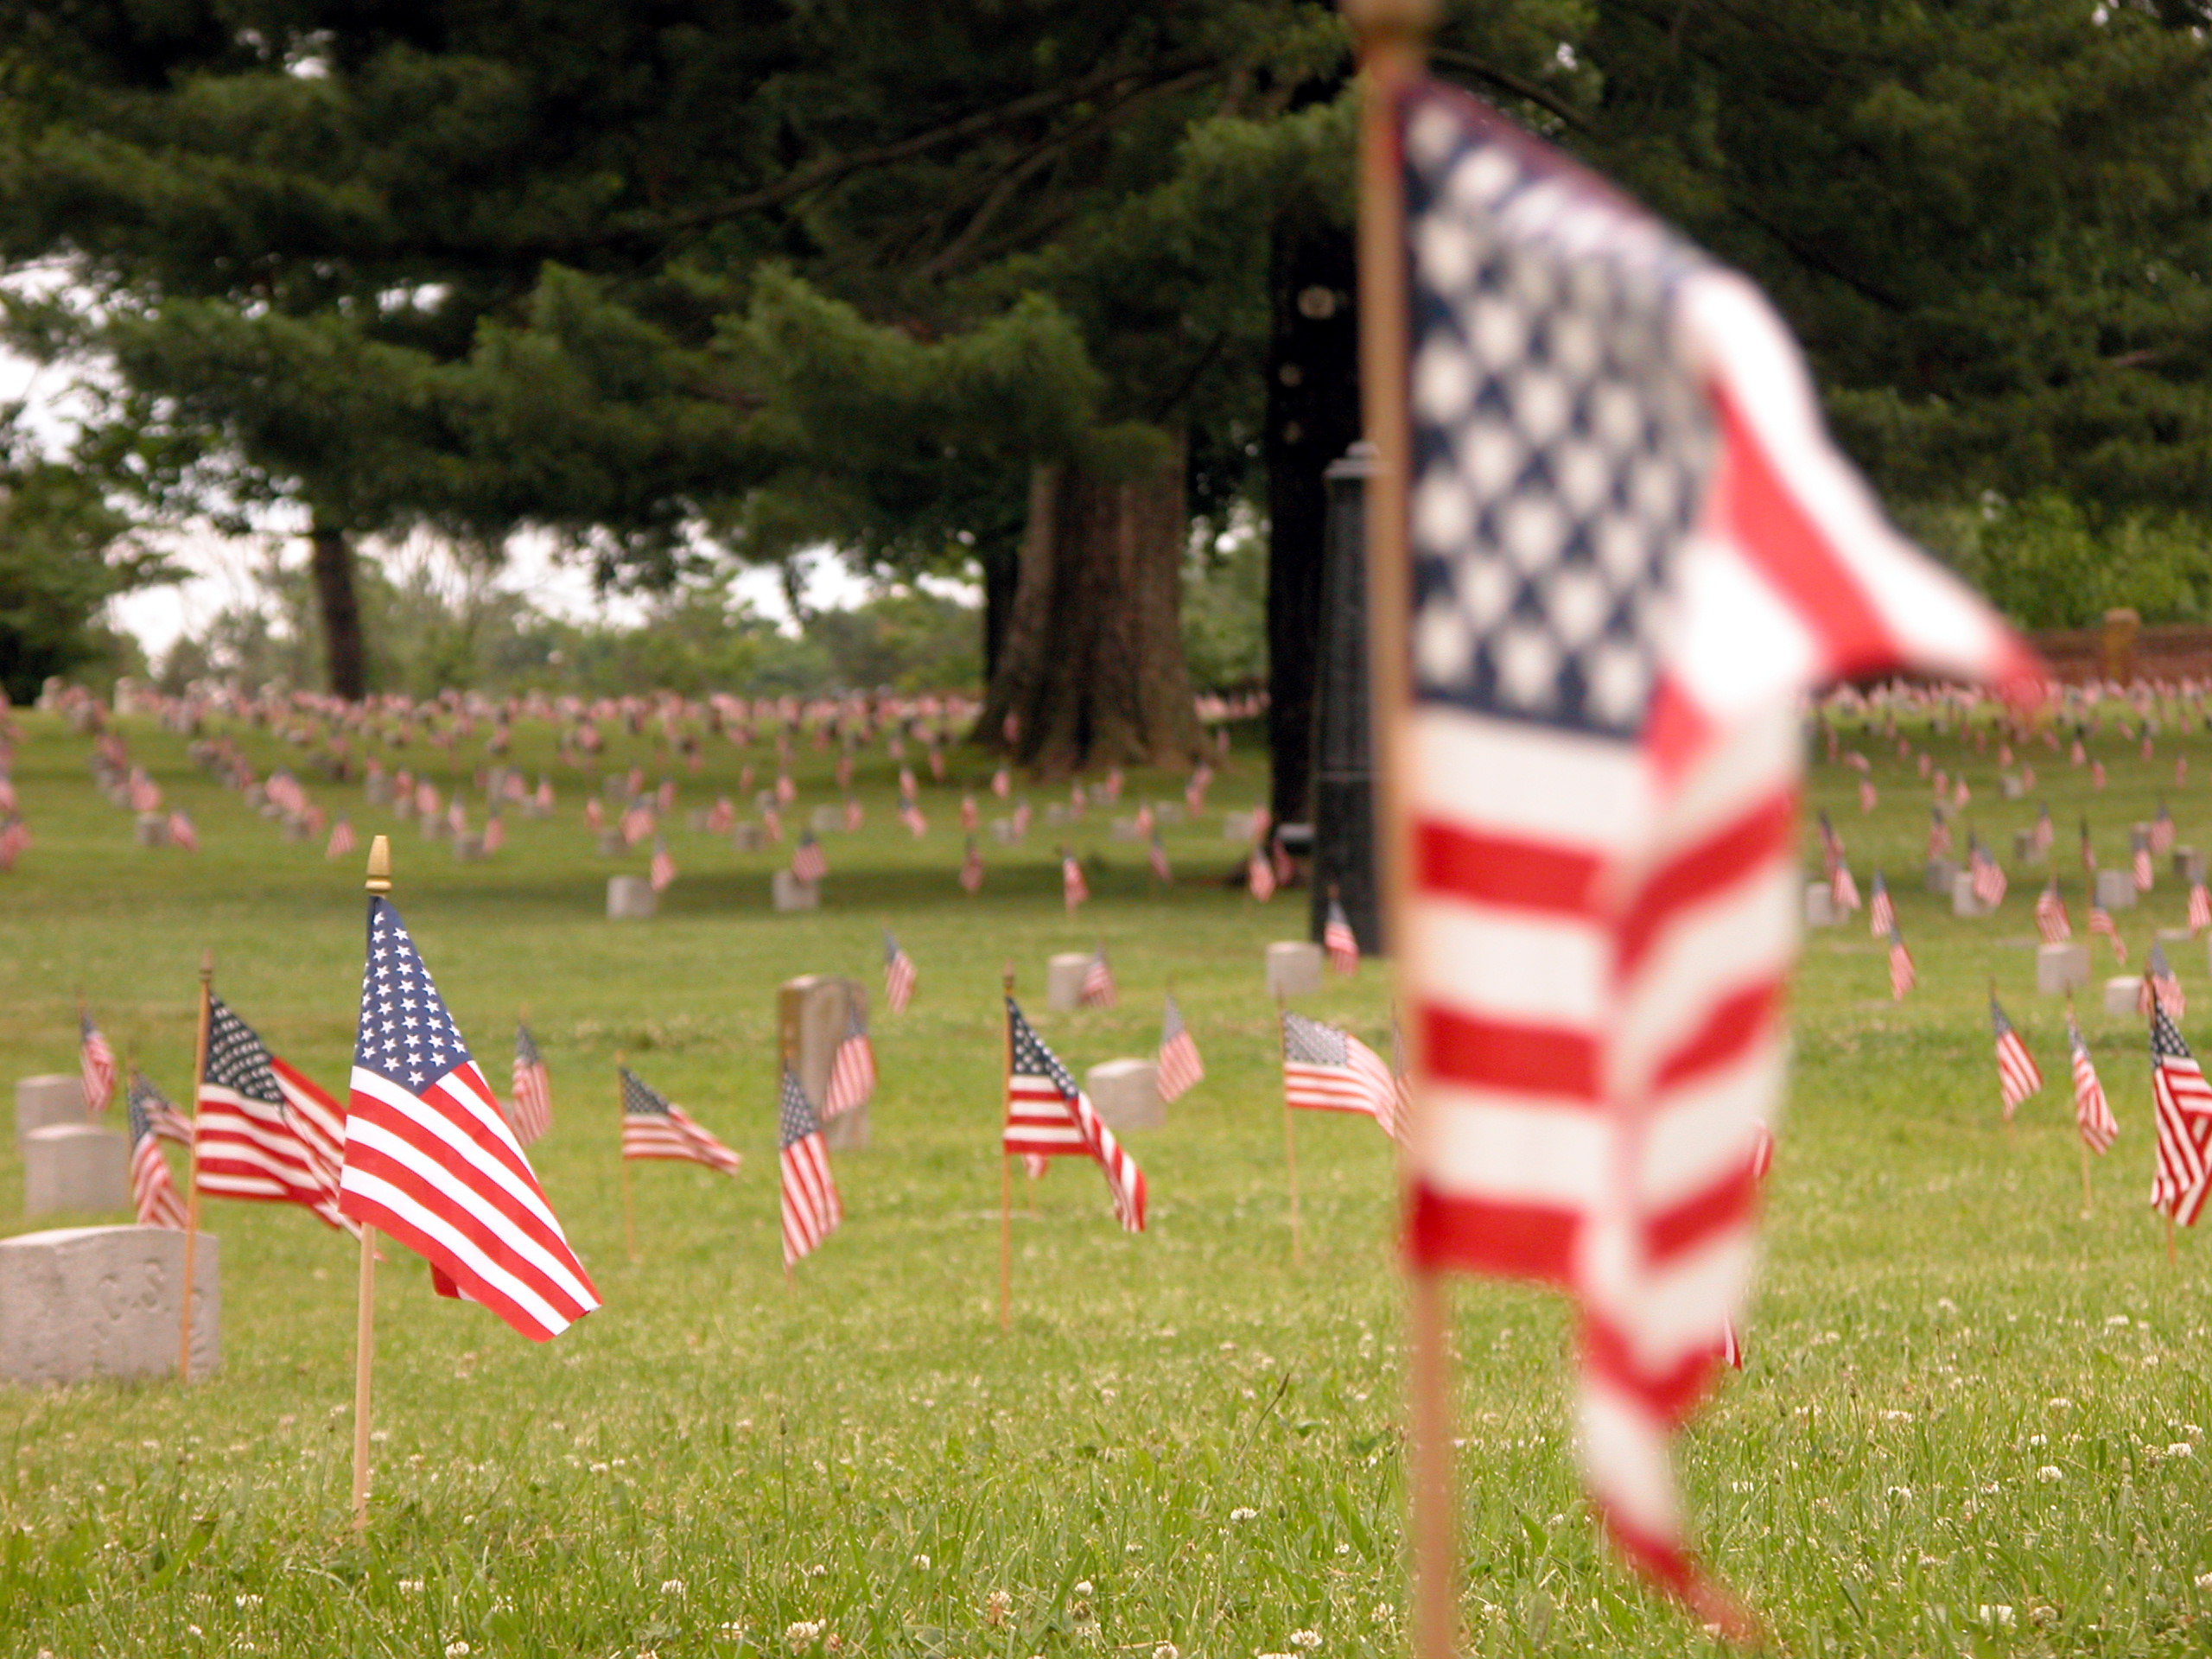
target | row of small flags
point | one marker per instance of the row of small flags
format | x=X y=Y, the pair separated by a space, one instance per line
x=263 y=1131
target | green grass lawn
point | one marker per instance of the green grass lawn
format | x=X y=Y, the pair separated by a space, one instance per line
x=1182 y=1439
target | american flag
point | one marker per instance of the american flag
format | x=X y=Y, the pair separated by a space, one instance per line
x=529 y=1109
x=161 y=1112
x=151 y=1189
x=2051 y=920
x=1098 y=990
x=1881 y=912
x=808 y=863
x=1259 y=875
x=2088 y=853
x=1073 y=888
x=637 y=823
x=2101 y=922
x=495 y=831
x=2139 y=861
x=812 y=1208
x=655 y=1127
x=1326 y=1070
x=899 y=975
x=2199 y=908
x=661 y=872
x=852 y=1068
x=2017 y=1074
x=1988 y=877
x=911 y=816
x=2045 y=832
x=1338 y=940
x=2162 y=831
x=430 y=1160
x=1156 y=856
x=250 y=1144
x=2092 y=1112
x=1902 y=977
x=1939 y=833
x=95 y=1066
x=1047 y=1116
x=1618 y=478
x=1194 y=792
x=2182 y=1116
x=1843 y=889
x=1180 y=1070
x=341 y=839
x=1001 y=783
x=2158 y=979
x=594 y=816
x=971 y=868
x=182 y=833
x=855 y=816
x=1869 y=797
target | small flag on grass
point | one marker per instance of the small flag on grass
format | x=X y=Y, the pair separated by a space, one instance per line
x=655 y=1129
x=95 y=1066
x=2182 y=1112
x=2017 y=1074
x=1098 y=991
x=1047 y=1116
x=1881 y=911
x=152 y=1191
x=1180 y=1070
x=2092 y=1112
x=250 y=1143
x=1326 y=1070
x=1338 y=940
x=531 y=1110
x=899 y=975
x=852 y=1069
x=161 y=1112
x=430 y=1160
x=812 y=1208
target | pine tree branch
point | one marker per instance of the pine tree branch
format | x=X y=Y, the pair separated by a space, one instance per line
x=830 y=168
x=1505 y=80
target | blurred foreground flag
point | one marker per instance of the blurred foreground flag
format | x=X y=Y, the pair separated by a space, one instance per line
x=1633 y=548
x=430 y=1160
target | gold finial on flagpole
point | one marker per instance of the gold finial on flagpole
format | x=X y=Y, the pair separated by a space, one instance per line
x=379 y=876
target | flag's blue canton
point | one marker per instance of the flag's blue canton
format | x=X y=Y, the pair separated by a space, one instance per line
x=405 y=1034
x=1033 y=1059
x=526 y=1049
x=1561 y=444
x=795 y=1118
x=1998 y=1022
x=141 y=1124
x=639 y=1099
x=235 y=1058
x=2165 y=1036
x=1308 y=1042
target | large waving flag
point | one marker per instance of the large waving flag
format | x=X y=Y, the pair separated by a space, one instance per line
x=430 y=1160
x=1633 y=548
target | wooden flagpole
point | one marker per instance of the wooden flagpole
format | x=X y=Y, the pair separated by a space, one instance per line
x=629 y=1198
x=1006 y=1167
x=1389 y=34
x=365 y=1313
x=1289 y=1140
x=192 y=1167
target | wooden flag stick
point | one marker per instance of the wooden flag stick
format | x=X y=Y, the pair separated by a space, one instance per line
x=192 y=1167
x=365 y=1312
x=1289 y=1143
x=1005 y=1169
x=629 y=1196
x=1390 y=35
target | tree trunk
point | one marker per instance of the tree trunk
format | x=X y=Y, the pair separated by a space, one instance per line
x=332 y=561
x=1313 y=418
x=1002 y=571
x=1090 y=667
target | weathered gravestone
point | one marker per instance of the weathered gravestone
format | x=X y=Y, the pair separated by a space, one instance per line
x=2116 y=890
x=1941 y=872
x=630 y=898
x=787 y=891
x=1820 y=904
x=1125 y=1094
x=151 y=829
x=75 y=1166
x=1294 y=967
x=813 y=1015
x=2120 y=993
x=1964 y=900
x=1064 y=974
x=79 y=1303
x=50 y=1098
x=2061 y=968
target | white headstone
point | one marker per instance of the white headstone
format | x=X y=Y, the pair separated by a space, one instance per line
x=1963 y=902
x=826 y=820
x=1820 y=904
x=787 y=891
x=612 y=845
x=2024 y=846
x=1064 y=974
x=1121 y=830
x=377 y=791
x=468 y=847
x=1166 y=812
x=2189 y=864
x=51 y=1098
x=2010 y=787
x=1940 y=874
x=1002 y=829
x=1294 y=967
x=1237 y=826
x=2116 y=890
x=75 y=1166
x=747 y=838
x=630 y=898
x=152 y=830
x=2061 y=968
x=79 y=1303
x=1125 y=1094
x=2120 y=993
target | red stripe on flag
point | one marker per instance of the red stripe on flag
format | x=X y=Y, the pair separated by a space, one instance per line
x=1517 y=1241
x=1459 y=1048
x=1496 y=870
x=1731 y=1026
x=1720 y=861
